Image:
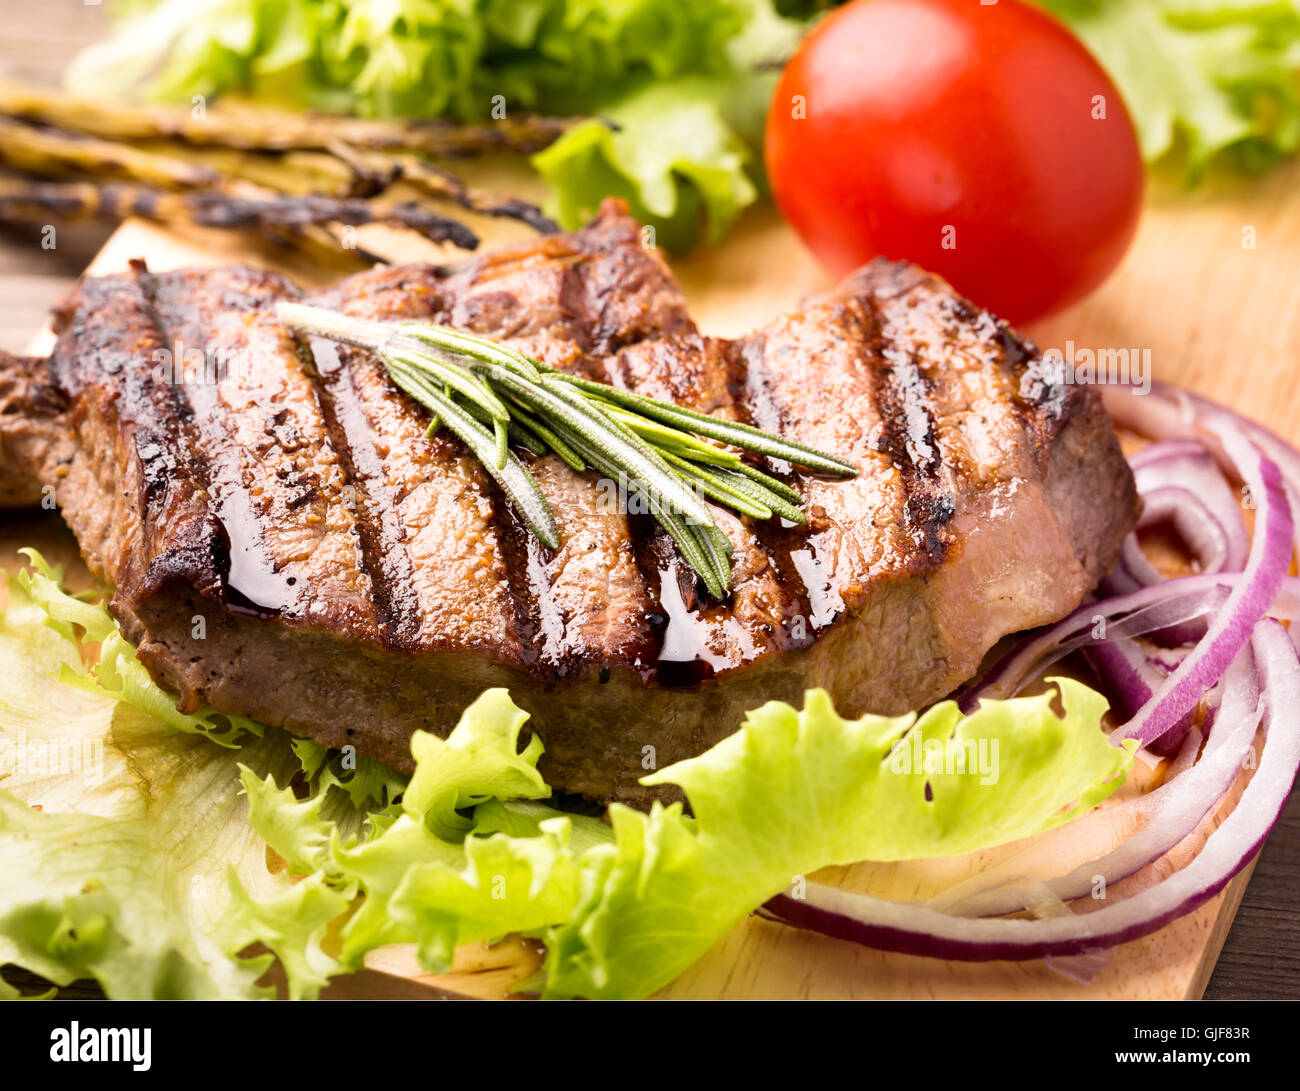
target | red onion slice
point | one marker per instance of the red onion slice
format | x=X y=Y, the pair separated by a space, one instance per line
x=1199 y=475
x=1250 y=598
x=1252 y=594
x=1129 y=677
x=1171 y=415
x=1204 y=530
x=1182 y=484
x=1166 y=451
x=1142 y=611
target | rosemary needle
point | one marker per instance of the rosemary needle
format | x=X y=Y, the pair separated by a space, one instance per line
x=491 y=396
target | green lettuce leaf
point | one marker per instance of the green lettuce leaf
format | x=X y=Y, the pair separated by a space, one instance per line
x=364 y=782
x=125 y=844
x=424 y=879
x=795 y=791
x=68 y=615
x=417 y=58
x=686 y=152
x=1201 y=76
x=673 y=158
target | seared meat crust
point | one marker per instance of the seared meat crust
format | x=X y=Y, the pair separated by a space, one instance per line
x=358 y=581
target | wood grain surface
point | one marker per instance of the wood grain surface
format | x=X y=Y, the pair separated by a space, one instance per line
x=1213 y=313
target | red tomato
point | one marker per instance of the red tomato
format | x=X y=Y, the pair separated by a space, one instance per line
x=981 y=141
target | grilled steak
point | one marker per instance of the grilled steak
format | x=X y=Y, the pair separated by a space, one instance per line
x=357 y=581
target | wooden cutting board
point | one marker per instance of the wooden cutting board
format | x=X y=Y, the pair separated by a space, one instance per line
x=1210 y=289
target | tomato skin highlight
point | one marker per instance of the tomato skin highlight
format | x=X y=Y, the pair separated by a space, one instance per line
x=962 y=137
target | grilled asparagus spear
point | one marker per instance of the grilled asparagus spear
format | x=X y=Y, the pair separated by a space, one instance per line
x=279 y=215
x=262 y=128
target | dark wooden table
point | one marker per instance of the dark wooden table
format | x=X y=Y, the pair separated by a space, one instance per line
x=1261 y=958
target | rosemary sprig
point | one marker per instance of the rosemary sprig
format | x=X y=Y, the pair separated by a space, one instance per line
x=490 y=396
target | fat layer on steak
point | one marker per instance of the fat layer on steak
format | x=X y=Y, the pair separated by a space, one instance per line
x=358 y=581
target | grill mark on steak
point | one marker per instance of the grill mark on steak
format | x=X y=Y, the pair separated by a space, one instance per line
x=104 y=362
x=796 y=621
x=170 y=455
x=1046 y=401
x=160 y=456
x=250 y=579
x=761 y=405
x=348 y=378
x=239 y=536
x=592 y=601
x=378 y=531
x=803 y=556
x=903 y=396
x=905 y=410
x=799 y=557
